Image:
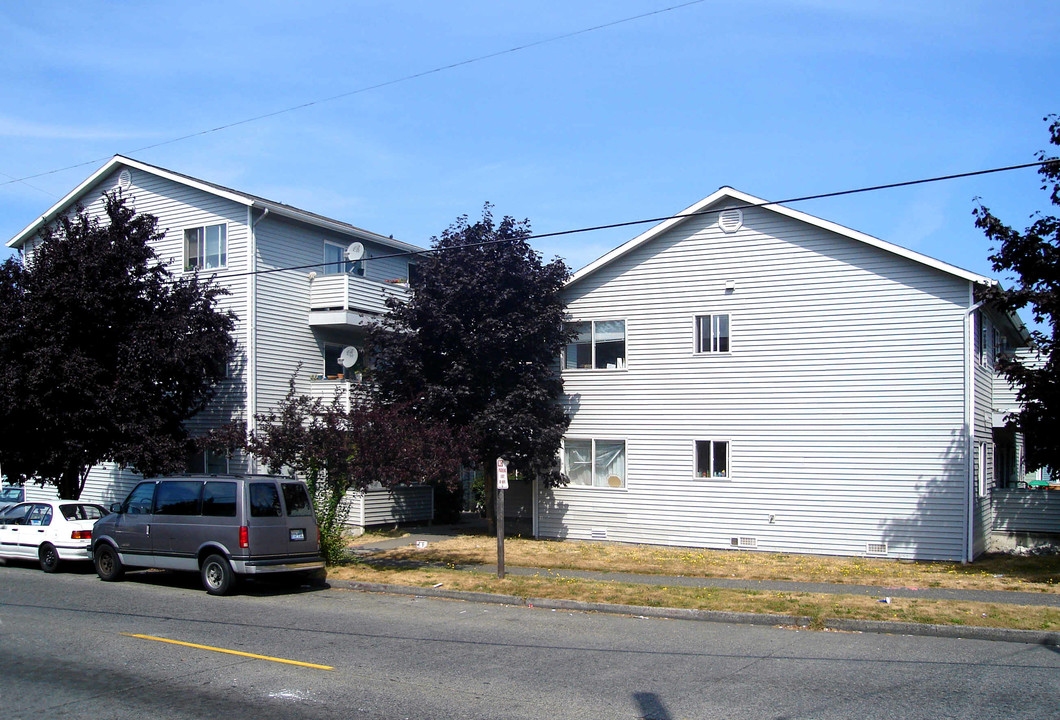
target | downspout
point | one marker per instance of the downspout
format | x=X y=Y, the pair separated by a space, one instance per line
x=969 y=419
x=252 y=327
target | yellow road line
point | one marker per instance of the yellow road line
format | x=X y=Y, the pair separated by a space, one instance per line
x=229 y=652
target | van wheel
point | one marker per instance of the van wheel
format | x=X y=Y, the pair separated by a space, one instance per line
x=217 y=575
x=49 y=558
x=108 y=566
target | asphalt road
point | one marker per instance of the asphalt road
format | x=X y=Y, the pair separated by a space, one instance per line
x=67 y=650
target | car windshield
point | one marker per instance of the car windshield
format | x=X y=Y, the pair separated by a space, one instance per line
x=11 y=495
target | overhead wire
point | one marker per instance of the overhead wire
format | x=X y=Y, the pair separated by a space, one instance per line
x=367 y=88
x=663 y=218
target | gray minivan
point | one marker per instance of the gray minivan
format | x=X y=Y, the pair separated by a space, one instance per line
x=222 y=526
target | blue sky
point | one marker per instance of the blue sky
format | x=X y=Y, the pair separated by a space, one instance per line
x=634 y=120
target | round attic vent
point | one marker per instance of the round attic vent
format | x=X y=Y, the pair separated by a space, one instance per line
x=124 y=179
x=730 y=220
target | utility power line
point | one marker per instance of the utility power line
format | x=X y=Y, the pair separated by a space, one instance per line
x=367 y=88
x=645 y=221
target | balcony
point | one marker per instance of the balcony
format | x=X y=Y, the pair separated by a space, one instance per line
x=346 y=391
x=342 y=300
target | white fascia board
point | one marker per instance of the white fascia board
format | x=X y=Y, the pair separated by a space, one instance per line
x=748 y=201
x=71 y=197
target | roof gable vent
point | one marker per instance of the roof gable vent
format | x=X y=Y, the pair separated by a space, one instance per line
x=730 y=220
x=124 y=179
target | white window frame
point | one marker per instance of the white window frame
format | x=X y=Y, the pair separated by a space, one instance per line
x=696 y=336
x=592 y=465
x=980 y=474
x=711 y=475
x=223 y=247
x=348 y=267
x=592 y=346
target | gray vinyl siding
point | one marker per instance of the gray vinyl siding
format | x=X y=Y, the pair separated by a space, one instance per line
x=1020 y=510
x=983 y=519
x=842 y=397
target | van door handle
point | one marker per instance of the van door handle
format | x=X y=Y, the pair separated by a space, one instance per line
x=148 y=527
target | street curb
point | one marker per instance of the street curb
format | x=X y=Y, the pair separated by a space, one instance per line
x=1031 y=637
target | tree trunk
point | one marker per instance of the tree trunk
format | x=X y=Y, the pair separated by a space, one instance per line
x=72 y=482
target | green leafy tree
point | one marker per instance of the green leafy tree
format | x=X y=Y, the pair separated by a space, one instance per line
x=1033 y=258
x=103 y=353
x=337 y=449
x=476 y=345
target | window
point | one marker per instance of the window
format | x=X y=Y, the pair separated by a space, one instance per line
x=334 y=370
x=599 y=344
x=207 y=462
x=206 y=248
x=414 y=274
x=140 y=499
x=219 y=499
x=980 y=471
x=335 y=262
x=296 y=499
x=712 y=458
x=178 y=497
x=712 y=333
x=595 y=463
x=264 y=500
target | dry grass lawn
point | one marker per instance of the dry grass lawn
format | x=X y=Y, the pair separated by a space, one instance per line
x=438 y=563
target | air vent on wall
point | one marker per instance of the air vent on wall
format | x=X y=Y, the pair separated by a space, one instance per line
x=124 y=179
x=730 y=220
x=876 y=548
x=744 y=542
x=598 y=533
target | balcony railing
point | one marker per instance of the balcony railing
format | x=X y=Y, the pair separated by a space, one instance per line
x=345 y=292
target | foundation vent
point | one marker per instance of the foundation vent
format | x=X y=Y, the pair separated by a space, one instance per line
x=744 y=542
x=876 y=548
x=598 y=534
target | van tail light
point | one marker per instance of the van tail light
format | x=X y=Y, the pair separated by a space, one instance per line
x=81 y=535
x=244 y=537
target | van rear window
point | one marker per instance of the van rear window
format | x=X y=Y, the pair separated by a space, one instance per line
x=296 y=500
x=264 y=500
x=219 y=499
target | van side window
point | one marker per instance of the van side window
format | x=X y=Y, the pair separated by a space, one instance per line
x=264 y=500
x=140 y=499
x=296 y=500
x=178 y=497
x=219 y=499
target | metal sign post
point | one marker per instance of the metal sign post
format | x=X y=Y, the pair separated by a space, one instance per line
x=502 y=485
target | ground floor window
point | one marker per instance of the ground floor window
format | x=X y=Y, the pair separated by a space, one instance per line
x=712 y=458
x=595 y=463
x=208 y=462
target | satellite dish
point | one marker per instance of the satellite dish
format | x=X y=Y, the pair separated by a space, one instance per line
x=348 y=356
x=355 y=252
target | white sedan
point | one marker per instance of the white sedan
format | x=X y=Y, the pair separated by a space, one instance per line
x=50 y=531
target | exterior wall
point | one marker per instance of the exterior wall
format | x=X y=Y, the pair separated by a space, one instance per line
x=177 y=208
x=982 y=431
x=842 y=398
x=386 y=507
x=1019 y=510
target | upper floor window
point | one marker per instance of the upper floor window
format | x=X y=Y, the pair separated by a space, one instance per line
x=414 y=274
x=335 y=261
x=206 y=248
x=599 y=344
x=712 y=333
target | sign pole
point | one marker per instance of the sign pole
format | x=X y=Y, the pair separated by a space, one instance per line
x=502 y=485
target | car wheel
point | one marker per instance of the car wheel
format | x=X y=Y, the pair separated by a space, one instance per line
x=108 y=566
x=217 y=575
x=49 y=558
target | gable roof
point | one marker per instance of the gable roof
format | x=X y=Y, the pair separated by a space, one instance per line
x=746 y=201
x=252 y=201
